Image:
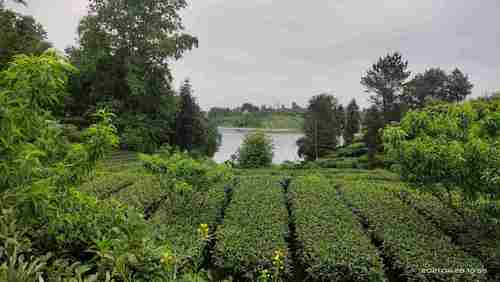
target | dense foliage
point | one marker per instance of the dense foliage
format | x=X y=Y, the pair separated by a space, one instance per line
x=250 y=242
x=255 y=151
x=410 y=240
x=20 y=35
x=321 y=128
x=123 y=56
x=436 y=85
x=352 y=122
x=450 y=147
x=181 y=173
x=335 y=247
x=386 y=79
x=193 y=131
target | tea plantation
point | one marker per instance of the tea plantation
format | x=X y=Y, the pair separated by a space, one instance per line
x=308 y=225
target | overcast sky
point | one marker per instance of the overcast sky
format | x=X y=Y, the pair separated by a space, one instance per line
x=279 y=51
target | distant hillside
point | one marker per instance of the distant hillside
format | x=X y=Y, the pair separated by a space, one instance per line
x=270 y=120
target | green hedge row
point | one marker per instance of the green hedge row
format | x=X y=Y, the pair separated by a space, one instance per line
x=184 y=223
x=418 y=248
x=480 y=238
x=142 y=193
x=253 y=232
x=335 y=246
x=108 y=184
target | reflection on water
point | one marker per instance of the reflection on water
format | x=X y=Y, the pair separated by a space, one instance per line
x=285 y=147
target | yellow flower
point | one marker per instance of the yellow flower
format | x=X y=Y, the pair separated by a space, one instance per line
x=203 y=231
x=167 y=259
x=278 y=259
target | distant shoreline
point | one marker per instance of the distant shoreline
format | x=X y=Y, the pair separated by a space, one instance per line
x=269 y=130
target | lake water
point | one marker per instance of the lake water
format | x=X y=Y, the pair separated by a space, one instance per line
x=285 y=147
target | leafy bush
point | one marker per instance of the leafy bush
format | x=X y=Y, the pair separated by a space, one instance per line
x=450 y=147
x=140 y=133
x=343 y=163
x=352 y=151
x=181 y=173
x=256 y=151
x=91 y=239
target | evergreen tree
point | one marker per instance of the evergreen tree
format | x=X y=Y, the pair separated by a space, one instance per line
x=373 y=122
x=353 y=122
x=386 y=79
x=341 y=118
x=193 y=130
x=321 y=128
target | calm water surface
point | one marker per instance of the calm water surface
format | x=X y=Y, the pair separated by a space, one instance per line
x=285 y=147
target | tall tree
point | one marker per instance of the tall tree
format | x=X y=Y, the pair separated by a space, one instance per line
x=385 y=79
x=459 y=86
x=150 y=31
x=424 y=87
x=353 y=122
x=124 y=54
x=193 y=130
x=373 y=122
x=436 y=84
x=321 y=128
x=20 y=35
x=341 y=118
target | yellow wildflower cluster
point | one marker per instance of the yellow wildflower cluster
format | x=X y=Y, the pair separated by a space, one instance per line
x=167 y=259
x=278 y=259
x=264 y=275
x=203 y=231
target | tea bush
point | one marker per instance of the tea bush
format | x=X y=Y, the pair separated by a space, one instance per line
x=407 y=237
x=335 y=247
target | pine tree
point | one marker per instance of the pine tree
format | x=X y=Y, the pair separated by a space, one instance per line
x=187 y=123
x=386 y=79
x=353 y=122
x=373 y=122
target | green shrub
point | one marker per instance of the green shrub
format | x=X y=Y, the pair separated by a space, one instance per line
x=342 y=163
x=179 y=172
x=354 y=150
x=450 y=147
x=256 y=151
x=72 y=133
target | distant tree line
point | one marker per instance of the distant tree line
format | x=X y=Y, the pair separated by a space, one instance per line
x=393 y=94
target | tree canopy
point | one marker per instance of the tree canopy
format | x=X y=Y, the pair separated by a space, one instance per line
x=353 y=122
x=321 y=128
x=20 y=35
x=436 y=85
x=386 y=79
